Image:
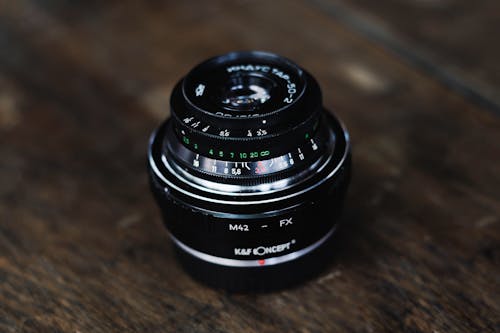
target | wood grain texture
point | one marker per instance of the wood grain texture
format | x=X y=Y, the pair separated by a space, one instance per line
x=82 y=248
x=453 y=40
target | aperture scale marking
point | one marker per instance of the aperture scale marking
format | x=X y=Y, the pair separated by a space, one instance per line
x=196 y=124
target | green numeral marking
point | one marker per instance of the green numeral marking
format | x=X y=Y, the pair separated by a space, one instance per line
x=243 y=155
x=185 y=139
x=307 y=135
x=265 y=153
x=254 y=154
x=195 y=146
x=231 y=154
x=221 y=153
x=211 y=151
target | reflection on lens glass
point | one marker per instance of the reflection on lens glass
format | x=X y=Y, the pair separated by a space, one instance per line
x=250 y=96
x=246 y=92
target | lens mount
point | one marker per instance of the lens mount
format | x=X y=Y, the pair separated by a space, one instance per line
x=249 y=172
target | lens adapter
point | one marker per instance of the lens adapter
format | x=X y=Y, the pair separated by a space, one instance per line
x=250 y=172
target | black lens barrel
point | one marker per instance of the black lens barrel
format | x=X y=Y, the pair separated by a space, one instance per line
x=250 y=172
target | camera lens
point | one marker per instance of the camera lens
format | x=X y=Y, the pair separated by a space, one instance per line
x=250 y=172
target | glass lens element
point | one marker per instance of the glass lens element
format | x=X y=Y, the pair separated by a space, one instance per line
x=246 y=92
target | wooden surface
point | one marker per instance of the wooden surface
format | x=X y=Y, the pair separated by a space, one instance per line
x=454 y=41
x=82 y=247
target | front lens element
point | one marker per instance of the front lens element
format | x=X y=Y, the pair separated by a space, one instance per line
x=246 y=92
x=253 y=82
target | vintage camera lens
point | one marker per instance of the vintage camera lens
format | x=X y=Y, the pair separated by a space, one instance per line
x=250 y=172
